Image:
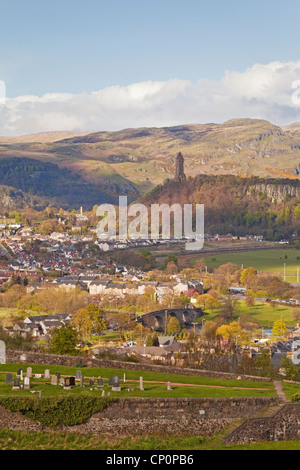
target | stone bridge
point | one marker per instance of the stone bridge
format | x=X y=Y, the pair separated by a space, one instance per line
x=159 y=319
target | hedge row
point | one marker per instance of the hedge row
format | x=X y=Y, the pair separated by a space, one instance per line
x=54 y=411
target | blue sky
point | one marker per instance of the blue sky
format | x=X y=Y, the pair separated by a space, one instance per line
x=107 y=65
x=79 y=46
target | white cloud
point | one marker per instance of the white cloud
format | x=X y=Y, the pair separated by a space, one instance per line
x=261 y=91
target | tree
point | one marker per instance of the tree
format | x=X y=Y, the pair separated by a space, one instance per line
x=82 y=321
x=296 y=314
x=233 y=333
x=200 y=264
x=46 y=228
x=173 y=327
x=190 y=273
x=279 y=329
x=248 y=275
x=264 y=365
x=96 y=316
x=209 y=330
x=152 y=340
x=297 y=212
x=229 y=308
x=212 y=303
x=292 y=371
x=250 y=301
x=171 y=268
x=64 y=341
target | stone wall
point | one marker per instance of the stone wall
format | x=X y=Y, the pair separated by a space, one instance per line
x=284 y=425
x=172 y=416
x=73 y=361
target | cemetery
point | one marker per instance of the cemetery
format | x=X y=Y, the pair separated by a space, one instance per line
x=46 y=381
x=126 y=402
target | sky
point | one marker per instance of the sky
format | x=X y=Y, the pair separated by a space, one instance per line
x=98 y=65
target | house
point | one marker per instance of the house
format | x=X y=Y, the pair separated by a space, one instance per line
x=166 y=341
x=98 y=286
x=181 y=288
x=71 y=284
x=196 y=284
x=24 y=329
x=41 y=325
x=154 y=353
x=163 y=289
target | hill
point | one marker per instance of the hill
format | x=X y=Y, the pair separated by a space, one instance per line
x=145 y=157
x=28 y=182
x=240 y=206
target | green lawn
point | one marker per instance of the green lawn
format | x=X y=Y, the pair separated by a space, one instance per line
x=155 y=384
x=263 y=312
x=290 y=389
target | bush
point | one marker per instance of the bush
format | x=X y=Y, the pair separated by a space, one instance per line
x=296 y=397
x=53 y=412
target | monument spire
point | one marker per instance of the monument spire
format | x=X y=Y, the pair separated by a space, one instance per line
x=179 y=174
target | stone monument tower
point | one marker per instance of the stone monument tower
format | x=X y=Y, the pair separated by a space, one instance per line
x=179 y=174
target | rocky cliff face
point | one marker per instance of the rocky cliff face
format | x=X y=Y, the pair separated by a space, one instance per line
x=276 y=192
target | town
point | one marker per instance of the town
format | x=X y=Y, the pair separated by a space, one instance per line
x=49 y=279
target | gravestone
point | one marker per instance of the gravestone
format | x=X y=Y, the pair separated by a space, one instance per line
x=111 y=382
x=141 y=384
x=81 y=381
x=103 y=393
x=9 y=379
x=92 y=382
x=26 y=383
x=16 y=384
x=78 y=375
x=169 y=386
x=2 y=353
x=116 y=384
x=72 y=381
x=54 y=380
x=47 y=374
x=20 y=374
x=62 y=381
x=124 y=378
x=67 y=383
x=38 y=376
x=29 y=372
x=100 y=383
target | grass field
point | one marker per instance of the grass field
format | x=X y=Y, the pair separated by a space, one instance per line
x=20 y=440
x=271 y=261
x=155 y=384
x=263 y=312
